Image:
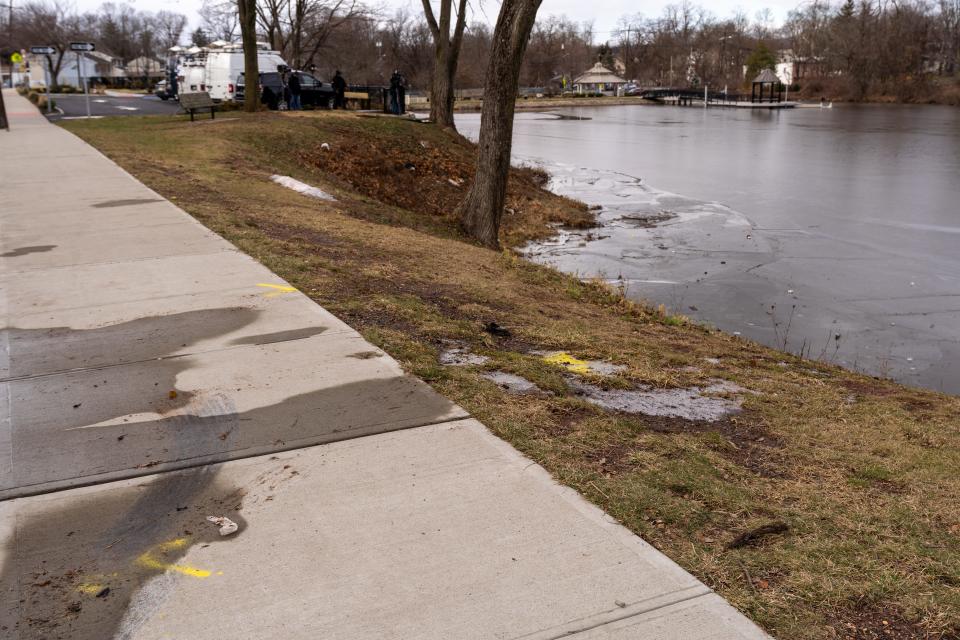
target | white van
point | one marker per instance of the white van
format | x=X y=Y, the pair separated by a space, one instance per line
x=215 y=68
x=224 y=65
x=191 y=70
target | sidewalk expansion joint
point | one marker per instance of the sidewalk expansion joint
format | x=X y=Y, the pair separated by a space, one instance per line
x=187 y=464
x=225 y=249
x=616 y=615
x=175 y=356
x=38 y=312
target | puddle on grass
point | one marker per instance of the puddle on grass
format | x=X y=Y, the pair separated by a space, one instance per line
x=461 y=356
x=511 y=383
x=690 y=403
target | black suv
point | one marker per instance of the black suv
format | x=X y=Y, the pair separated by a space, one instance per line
x=313 y=93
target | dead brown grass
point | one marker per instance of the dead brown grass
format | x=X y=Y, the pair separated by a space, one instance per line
x=862 y=471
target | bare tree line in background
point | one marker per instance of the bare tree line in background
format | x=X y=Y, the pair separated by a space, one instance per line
x=852 y=48
x=126 y=33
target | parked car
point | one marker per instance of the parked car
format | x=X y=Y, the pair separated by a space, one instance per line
x=314 y=94
x=162 y=90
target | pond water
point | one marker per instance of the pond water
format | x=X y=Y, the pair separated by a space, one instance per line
x=835 y=232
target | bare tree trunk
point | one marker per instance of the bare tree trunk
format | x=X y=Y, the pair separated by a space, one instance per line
x=441 y=93
x=251 y=71
x=481 y=210
x=446 y=58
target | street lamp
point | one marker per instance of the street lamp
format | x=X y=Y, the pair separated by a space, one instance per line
x=563 y=67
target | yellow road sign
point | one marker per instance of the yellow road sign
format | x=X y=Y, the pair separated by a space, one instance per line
x=16 y=58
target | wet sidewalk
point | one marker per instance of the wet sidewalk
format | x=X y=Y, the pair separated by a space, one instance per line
x=152 y=376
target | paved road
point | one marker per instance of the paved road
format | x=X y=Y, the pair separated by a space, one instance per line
x=74 y=105
x=145 y=357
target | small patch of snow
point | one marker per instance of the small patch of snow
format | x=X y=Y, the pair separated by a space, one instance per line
x=510 y=382
x=302 y=187
x=461 y=357
x=689 y=404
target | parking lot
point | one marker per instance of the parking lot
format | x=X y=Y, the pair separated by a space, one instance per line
x=74 y=105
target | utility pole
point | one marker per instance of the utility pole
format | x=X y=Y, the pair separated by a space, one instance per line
x=626 y=55
x=9 y=7
x=80 y=48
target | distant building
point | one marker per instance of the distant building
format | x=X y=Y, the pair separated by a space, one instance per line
x=598 y=79
x=792 y=68
x=97 y=67
x=144 y=67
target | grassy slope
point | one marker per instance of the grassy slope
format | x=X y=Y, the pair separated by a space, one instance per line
x=863 y=471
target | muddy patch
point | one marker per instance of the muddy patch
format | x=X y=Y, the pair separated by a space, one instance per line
x=870 y=387
x=280 y=336
x=80 y=570
x=883 y=624
x=511 y=383
x=23 y=251
x=365 y=355
x=291 y=233
x=125 y=203
x=461 y=356
x=689 y=404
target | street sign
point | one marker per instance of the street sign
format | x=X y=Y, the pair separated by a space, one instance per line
x=16 y=58
x=82 y=46
x=42 y=51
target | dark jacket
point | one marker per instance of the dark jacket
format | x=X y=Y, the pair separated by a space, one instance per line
x=339 y=84
x=294 y=85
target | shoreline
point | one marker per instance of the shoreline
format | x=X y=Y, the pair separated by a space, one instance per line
x=698 y=262
x=541 y=104
x=387 y=258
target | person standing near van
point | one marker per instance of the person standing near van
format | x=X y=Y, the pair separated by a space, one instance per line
x=294 y=84
x=339 y=91
x=397 y=92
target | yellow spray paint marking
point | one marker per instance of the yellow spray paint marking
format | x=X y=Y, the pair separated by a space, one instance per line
x=566 y=360
x=278 y=289
x=90 y=588
x=149 y=559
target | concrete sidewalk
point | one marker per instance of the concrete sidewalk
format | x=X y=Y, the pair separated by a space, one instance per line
x=153 y=375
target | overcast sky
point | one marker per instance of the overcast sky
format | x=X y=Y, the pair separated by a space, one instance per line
x=604 y=14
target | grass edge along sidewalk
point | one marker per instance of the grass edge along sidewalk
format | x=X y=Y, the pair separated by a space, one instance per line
x=182 y=382
x=862 y=471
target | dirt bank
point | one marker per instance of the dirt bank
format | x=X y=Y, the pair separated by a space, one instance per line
x=820 y=502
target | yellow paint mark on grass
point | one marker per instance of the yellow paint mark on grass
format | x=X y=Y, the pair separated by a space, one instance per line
x=278 y=289
x=569 y=362
x=150 y=559
x=89 y=588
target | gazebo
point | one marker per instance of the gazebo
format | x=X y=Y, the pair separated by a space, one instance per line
x=766 y=87
x=598 y=79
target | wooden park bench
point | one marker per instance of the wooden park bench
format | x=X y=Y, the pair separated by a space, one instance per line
x=357 y=99
x=195 y=101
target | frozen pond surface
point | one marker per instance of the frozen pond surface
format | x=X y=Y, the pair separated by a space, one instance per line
x=835 y=232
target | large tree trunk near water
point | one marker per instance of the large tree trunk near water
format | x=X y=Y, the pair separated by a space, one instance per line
x=251 y=70
x=481 y=210
x=446 y=57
